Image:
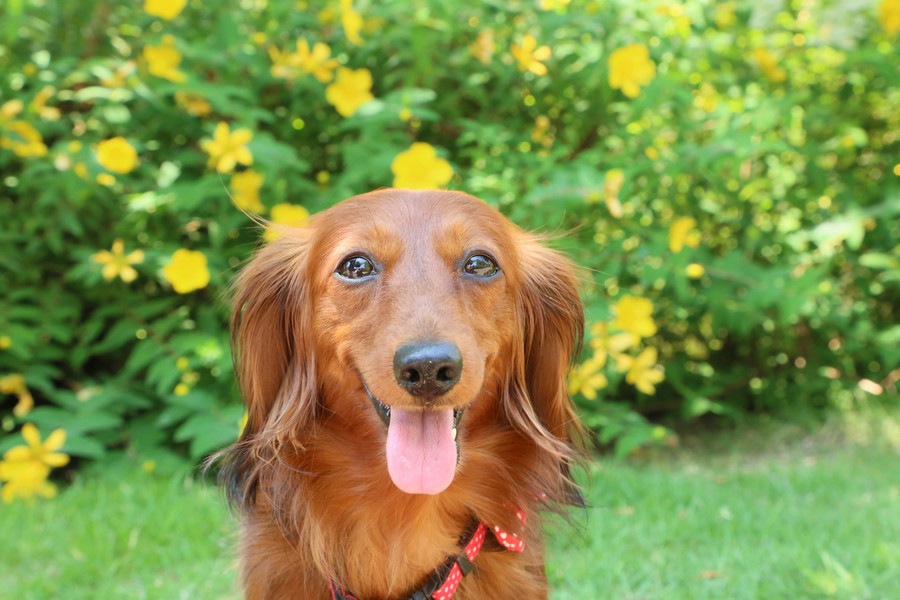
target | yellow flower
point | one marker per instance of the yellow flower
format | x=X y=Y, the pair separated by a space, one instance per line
x=634 y=316
x=483 y=47
x=10 y=109
x=182 y=389
x=612 y=185
x=5 y=342
x=605 y=344
x=587 y=378
x=769 y=65
x=25 y=140
x=554 y=4
x=14 y=383
x=43 y=452
x=285 y=215
x=630 y=68
x=694 y=270
x=542 y=132
x=317 y=62
x=39 y=104
x=284 y=64
x=163 y=60
x=25 y=479
x=642 y=371
x=165 y=9
x=682 y=233
x=350 y=90
x=187 y=271
x=352 y=22
x=245 y=186
x=889 y=13
x=25 y=468
x=117 y=155
x=25 y=403
x=117 y=264
x=227 y=149
x=194 y=104
x=420 y=168
x=106 y=179
x=531 y=57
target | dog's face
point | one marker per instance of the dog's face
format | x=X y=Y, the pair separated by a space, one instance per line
x=406 y=315
x=415 y=298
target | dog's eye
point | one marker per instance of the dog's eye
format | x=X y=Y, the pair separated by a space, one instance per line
x=480 y=265
x=356 y=267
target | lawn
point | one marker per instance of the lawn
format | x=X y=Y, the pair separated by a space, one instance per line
x=780 y=514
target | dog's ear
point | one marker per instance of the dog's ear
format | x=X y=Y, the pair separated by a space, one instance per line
x=552 y=327
x=271 y=337
x=274 y=360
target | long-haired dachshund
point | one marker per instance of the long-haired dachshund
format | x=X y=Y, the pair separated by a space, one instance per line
x=403 y=360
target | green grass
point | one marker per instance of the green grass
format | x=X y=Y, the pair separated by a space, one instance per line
x=782 y=515
x=808 y=522
x=122 y=534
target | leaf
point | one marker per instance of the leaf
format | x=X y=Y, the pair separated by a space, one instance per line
x=120 y=334
x=163 y=374
x=83 y=446
x=74 y=423
x=146 y=352
x=879 y=260
x=632 y=440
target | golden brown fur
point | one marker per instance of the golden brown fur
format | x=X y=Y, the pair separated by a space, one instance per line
x=309 y=471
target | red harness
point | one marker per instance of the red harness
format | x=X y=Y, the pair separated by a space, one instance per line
x=443 y=584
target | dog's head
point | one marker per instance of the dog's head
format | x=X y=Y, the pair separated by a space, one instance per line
x=408 y=313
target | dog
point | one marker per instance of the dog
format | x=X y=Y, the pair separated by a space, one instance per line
x=403 y=360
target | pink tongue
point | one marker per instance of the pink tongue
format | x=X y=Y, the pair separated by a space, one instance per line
x=421 y=451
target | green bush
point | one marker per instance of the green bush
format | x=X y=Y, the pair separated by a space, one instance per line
x=726 y=172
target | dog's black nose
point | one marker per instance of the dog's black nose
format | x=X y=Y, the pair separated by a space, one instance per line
x=428 y=369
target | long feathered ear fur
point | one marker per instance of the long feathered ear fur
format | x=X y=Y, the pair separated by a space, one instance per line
x=274 y=361
x=552 y=325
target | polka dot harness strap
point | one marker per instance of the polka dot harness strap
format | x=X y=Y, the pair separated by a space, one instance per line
x=443 y=584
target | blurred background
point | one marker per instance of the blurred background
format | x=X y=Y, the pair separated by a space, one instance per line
x=727 y=173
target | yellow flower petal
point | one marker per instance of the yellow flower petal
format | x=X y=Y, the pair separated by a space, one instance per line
x=18 y=454
x=31 y=436
x=56 y=459
x=135 y=257
x=24 y=405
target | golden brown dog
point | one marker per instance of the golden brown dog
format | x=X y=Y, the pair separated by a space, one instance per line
x=403 y=360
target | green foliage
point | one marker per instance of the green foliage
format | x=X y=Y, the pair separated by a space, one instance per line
x=775 y=131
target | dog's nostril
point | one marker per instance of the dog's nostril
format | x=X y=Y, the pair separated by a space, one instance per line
x=410 y=376
x=446 y=374
x=428 y=369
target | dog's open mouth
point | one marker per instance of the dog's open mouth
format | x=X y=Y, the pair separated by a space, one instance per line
x=422 y=445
